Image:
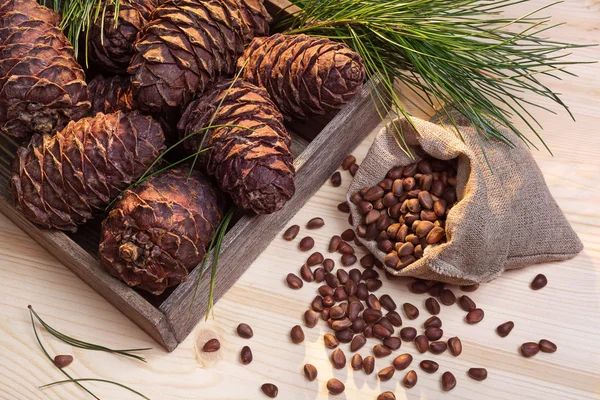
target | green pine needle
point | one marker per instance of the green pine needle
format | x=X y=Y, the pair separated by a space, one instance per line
x=79 y=15
x=458 y=53
x=215 y=244
x=94 y=380
x=213 y=274
x=82 y=345
x=85 y=345
x=37 y=337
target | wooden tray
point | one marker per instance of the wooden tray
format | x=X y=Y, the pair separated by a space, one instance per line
x=167 y=318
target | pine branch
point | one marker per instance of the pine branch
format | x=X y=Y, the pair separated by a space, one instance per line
x=461 y=53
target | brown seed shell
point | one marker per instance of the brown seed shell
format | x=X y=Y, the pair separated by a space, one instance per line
x=408 y=334
x=334 y=243
x=429 y=366
x=348 y=161
x=475 y=316
x=448 y=381
x=331 y=342
x=335 y=386
x=357 y=343
x=245 y=331
x=547 y=346
x=447 y=297
x=422 y=343
x=63 y=360
x=466 y=303
x=315 y=258
x=539 y=282
x=293 y=281
x=433 y=322
x=438 y=347
x=418 y=287
x=434 y=334
x=306 y=243
x=306 y=273
x=386 y=396
x=311 y=318
x=392 y=343
x=211 y=346
x=369 y=365
x=402 y=361
x=356 y=362
x=381 y=351
x=291 y=232
x=270 y=390
x=455 y=346
x=479 y=374
x=336 y=179
x=529 y=349
x=504 y=329
x=338 y=359
x=246 y=355
x=410 y=311
x=310 y=372
x=410 y=380
x=386 y=374
x=432 y=306
x=297 y=334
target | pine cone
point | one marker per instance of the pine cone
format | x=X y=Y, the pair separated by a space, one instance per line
x=60 y=181
x=115 y=93
x=112 y=47
x=160 y=230
x=253 y=165
x=42 y=87
x=187 y=45
x=305 y=76
x=26 y=10
x=111 y=94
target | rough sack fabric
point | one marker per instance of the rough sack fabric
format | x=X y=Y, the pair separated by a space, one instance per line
x=505 y=217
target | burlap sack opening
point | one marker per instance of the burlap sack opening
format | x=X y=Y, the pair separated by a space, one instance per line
x=505 y=218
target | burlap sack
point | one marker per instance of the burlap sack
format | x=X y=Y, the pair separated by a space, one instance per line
x=505 y=217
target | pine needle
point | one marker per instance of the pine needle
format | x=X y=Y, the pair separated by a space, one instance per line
x=94 y=380
x=461 y=53
x=52 y=360
x=79 y=15
x=213 y=275
x=85 y=345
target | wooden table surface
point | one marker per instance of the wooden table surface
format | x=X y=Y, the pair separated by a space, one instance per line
x=566 y=311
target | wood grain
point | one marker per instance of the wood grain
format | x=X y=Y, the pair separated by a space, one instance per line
x=567 y=311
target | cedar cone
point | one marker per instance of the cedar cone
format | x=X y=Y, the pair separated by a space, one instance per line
x=304 y=75
x=111 y=94
x=115 y=93
x=112 y=47
x=42 y=87
x=27 y=10
x=253 y=165
x=187 y=45
x=60 y=181
x=160 y=230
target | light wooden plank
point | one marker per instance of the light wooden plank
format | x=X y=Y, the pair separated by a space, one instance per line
x=567 y=311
